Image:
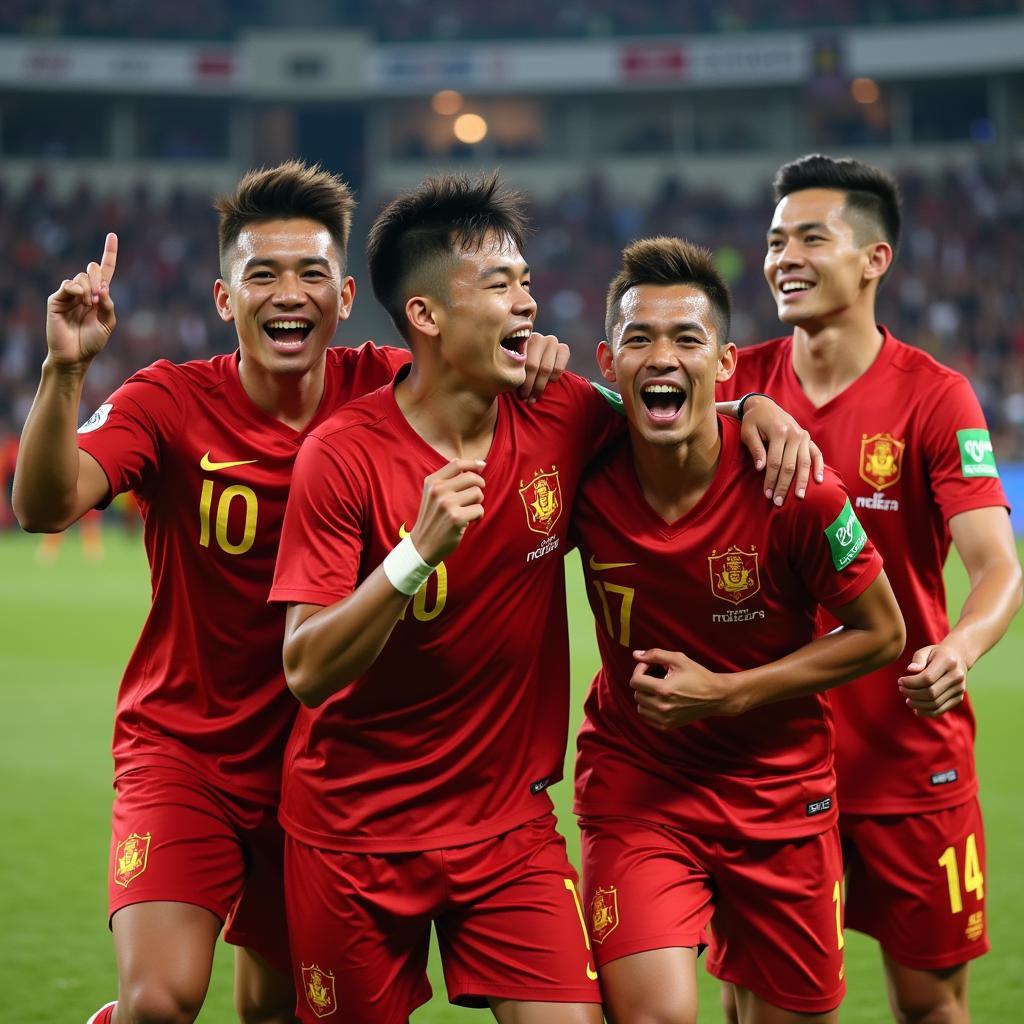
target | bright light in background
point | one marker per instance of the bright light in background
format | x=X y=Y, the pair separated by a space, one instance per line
x=447 y=102
x=470 y=128
x=864 y=90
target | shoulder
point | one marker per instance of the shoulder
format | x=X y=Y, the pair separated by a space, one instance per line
x=354 y=419
x=346 y=358
x=910 y=360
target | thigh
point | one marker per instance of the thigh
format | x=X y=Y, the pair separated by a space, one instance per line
x=513 y=926
x=257 y=920
x=173 y=840
x=359 y=926
x=262 y=992
x=656 y=985
x=645 y=887
x=777 y=929
x=164 y=958
x=917 y=884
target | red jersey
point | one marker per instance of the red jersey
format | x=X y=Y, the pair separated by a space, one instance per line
x=910 y=440
x=459 y=727
x=735 y=583
x=211 y=472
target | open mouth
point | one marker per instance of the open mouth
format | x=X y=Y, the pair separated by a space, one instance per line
x=515 y=344
x=288 y=332
x=790 y=288
x=663 y=401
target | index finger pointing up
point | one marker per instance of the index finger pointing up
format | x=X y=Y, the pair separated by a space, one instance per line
x=109 y=260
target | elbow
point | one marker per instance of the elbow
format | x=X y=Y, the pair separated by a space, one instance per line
x=34 y=521
x=304 y=686
x=893 y=639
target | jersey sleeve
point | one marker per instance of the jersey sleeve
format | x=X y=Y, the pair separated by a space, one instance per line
x=126 y=434
x=396 y=357
x=599 y=410
x=958 y=451
x=322 y=536
x=833 y=554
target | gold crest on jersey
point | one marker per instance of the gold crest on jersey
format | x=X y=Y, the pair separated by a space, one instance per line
x=542 y=499
x=318 y=986
x=734 y=575
x=131 y=857
x=604 y=913
x=881 y=460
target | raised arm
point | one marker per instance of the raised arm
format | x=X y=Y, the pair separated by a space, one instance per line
x=679 y=690
x=55 y=483
x=326 y=648
x=936 y=678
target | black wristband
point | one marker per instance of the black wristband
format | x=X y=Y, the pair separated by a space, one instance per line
x=743 y=401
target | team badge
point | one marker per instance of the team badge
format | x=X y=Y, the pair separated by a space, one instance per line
x=318 y=987
x=131 y=857
x=542 y=499
x=604 y=913
x=734 y=575
x=881 y=460
x=975 y=926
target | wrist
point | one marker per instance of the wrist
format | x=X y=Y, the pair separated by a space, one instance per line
x=405 y=568
x=63 y=372
x=741 y=405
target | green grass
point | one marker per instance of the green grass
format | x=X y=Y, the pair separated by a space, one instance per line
x=67 y=633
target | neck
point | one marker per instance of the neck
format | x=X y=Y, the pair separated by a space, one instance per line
x=673 y=478
x=829 y=357
x=292 y=399
x=452 y=419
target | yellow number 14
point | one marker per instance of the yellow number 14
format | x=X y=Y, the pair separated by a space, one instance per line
x=974 y=880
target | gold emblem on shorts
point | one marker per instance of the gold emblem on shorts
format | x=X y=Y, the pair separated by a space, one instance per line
x=734 y=575
x=318 y=986
x=975 y=926
x=604 y=913
x=131 y=857
x=881 y=460
x=542 y=499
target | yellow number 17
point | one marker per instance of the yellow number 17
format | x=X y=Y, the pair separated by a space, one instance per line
x=603 y=590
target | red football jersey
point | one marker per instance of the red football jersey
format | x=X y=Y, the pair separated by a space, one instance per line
x=460 y=725
x=910 y=441
x=735 y=583
x=211 y=472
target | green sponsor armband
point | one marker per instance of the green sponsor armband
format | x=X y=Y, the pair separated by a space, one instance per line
x=846 y=537
x=976 y=455
x=613 y=398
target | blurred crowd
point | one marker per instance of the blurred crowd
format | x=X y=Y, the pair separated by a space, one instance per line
x=955 y=290
x=439 y=20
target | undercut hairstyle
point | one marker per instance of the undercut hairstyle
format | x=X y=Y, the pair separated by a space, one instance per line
x=291 y=190
x=872 y=195
x=668 y=261
x=414 y=243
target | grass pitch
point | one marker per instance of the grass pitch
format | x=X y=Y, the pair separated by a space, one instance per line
x=68 y=629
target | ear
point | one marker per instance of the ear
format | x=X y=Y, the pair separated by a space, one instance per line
x=606 y=361
x=726 y=362
x=346 y=298
x=222 y=300
x=419 y=311
x=879 y=261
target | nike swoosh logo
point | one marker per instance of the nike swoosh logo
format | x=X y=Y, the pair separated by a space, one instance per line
x=599 y=566
x=211 y=467
x=592 y=975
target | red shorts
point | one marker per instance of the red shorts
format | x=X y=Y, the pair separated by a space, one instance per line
x=508 y=919
x=178 y=839
x=916 y=884
x=774 y=907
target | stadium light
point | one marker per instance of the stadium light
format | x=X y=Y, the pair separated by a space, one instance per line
x=470 y=128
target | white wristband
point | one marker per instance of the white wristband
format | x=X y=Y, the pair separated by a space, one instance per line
x=405 y=569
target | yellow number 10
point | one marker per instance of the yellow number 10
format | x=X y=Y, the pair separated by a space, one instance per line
x=974 y=880
x=220 y=526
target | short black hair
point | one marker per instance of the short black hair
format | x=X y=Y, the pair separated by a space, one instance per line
x=664 y=260
x=412 y=245
x=870 y=191
x=289 y=190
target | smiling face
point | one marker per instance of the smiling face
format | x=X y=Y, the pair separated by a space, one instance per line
x=285 y=294
x=821 y=260
x=486 y=316
x=665 y=357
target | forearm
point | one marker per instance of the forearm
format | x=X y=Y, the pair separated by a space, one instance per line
x=820 y=665
x=334 y=646
x=994 y=599
x=45 y=496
